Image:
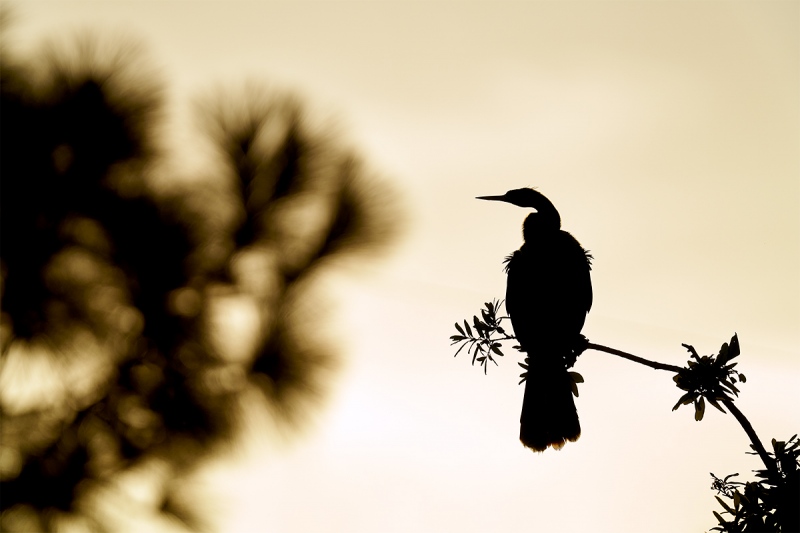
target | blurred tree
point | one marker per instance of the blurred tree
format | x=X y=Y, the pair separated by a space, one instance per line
x=138 y=319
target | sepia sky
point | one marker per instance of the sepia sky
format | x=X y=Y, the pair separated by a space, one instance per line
x=667 y=133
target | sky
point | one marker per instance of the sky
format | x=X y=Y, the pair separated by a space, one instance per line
x=668 y=136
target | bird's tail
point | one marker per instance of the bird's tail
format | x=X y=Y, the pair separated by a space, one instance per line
x=549 y=417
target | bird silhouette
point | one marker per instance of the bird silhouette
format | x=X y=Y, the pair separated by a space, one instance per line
x=548 y=295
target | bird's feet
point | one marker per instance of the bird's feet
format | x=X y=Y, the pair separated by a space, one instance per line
x=578 y=347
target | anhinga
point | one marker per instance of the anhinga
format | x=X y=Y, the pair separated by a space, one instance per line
x=548 y=295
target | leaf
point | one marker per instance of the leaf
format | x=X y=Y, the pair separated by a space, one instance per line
x=691 y=396
x=577 y=378
x=685 y=400
x=778 y=445
x=742 y=378
x=496 y=349
x=469 y=331
x=459 y=329
x=713 y=402
x=723 y=353
x=699 y=409
x=691 y=350
x=724 y=505
x=457 y=338
x=734 y=350
x=523 y=365
x=479 y=326
x=461 y=348
x=721 y=521
x=574 y=387
x=730 y=386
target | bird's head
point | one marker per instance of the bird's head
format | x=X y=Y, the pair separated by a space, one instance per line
x=520 y=197
x=546 y=213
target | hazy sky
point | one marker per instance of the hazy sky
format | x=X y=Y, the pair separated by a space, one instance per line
x=668 y=136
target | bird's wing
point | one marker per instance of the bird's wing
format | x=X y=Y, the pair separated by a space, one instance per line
x=549 y=290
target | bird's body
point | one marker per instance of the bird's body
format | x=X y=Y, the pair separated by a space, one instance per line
x=548 y=295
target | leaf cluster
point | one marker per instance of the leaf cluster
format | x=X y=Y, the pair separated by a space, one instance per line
x=766 y=504
x=709 y=377
x=485 y=341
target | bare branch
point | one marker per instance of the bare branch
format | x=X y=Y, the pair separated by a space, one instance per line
x=635 y=358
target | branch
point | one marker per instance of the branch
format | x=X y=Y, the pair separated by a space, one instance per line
x=635 y=358
x=757 y=446
x=748 y=428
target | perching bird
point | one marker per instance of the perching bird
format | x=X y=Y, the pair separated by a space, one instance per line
x=548 y=296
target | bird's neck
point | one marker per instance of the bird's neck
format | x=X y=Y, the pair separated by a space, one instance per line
x=547 y=213
x=540 y=224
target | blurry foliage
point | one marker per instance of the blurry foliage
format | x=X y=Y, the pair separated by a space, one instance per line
x=137 y=321
x=770 y=504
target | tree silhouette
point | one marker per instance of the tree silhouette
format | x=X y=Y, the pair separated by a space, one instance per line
x=140 y=312
x=769 y=504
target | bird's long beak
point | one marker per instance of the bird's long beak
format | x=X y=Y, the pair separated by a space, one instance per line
x=497 y=198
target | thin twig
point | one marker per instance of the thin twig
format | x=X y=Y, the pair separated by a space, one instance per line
x=634 y=358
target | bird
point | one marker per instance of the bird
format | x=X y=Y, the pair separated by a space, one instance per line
x=548 y=296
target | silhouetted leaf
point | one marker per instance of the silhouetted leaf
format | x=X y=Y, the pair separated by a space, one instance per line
x=699 y=409
x=685 y=400
x=713 y=402
x=723 y=353
x=724 y=505
x=460 y=348
x=577 y=378
x=734 y=349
